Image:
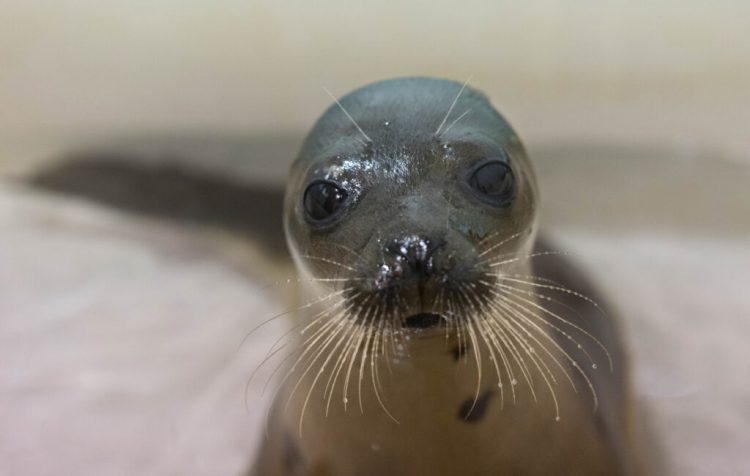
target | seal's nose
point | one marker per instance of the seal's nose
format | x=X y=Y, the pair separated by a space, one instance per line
x=414 y=252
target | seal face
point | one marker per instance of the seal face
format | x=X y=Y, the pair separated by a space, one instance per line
x=409 y=200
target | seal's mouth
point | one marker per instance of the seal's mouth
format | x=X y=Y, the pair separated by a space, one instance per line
x=423 y=320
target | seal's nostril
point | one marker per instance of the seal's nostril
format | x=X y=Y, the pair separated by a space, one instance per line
x=413 y=250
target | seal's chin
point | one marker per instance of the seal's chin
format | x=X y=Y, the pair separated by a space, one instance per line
x=423 y=320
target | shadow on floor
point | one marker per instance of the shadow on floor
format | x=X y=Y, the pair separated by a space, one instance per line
x=172 y=192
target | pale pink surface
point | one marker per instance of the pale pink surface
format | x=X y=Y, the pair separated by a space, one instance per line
x=118 y=343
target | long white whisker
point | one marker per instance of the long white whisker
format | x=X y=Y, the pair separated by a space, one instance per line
x=329 y=261
x=344 y=332
x=573 y=362
x=565 y=321
x=553 y=287
x=507 y=289
x=501 y=243
x=374 y=373
x=453 y=104
x=535 y=359
x=454 y=122
x=304 y=306
x=348 y=115
x=526 y=257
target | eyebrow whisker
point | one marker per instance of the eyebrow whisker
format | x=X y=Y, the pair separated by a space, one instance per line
x=348 y=115
x=453 y=104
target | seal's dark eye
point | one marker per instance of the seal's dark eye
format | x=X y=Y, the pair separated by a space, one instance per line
x=494 y=183
x=323 y=199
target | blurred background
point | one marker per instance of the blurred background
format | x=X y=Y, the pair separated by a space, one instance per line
x=141 y=141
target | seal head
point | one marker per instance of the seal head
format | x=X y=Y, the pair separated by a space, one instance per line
x=408 y=192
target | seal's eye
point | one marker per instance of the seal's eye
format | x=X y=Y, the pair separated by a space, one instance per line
x=494 y=183
x=323 y=199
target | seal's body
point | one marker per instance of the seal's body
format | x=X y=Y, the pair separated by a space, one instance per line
x=448 y=339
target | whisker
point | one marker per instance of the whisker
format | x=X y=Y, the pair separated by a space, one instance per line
x=508 y=289
x=458 y=325
x=561 y=289
x=348 y=115
x=342 y=324
x=454 y=122
x=487 y=338
x=513 y=317
x=478 y=360
x=482 y=318
x=510 y=340
x=544 y=297
x=272 y=351
x=300 y=308
x=501 y=243
x=338 y=365
x=307 y=348
x=357 y=256
x=252 y=375
x=363 y=361
x=389 y=333
x=378 y=351
x=361 y=335
x=453 y=104
x=437 y=303
x=534 y=359
x=526 y=257
x=341 y=360
x=287 y=281
x=335 y=323
x=572 y=361
x=344 y=333
x=374 y=373
x=464 y=290
x=329 y=261
x=565 y=321
x=304 y=345
x=314 y=320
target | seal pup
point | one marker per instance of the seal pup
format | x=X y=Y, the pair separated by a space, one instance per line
x=439 y=335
